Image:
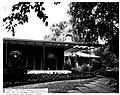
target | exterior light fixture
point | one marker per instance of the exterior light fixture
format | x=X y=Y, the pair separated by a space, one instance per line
x=66 y=45
x=58 y=44
x=15 y=55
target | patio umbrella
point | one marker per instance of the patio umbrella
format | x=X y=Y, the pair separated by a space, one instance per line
x=86 y=55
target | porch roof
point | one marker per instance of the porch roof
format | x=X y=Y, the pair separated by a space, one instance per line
x=66 y=45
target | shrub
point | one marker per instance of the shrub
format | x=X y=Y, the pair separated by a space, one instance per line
x=40 y=78
x=67 y=66
x=13 y=74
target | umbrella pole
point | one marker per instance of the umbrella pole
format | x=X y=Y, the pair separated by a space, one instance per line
x=89 y=62
x=89 y=67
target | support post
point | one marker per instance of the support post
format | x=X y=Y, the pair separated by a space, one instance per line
x=41 y=63
x=33 y=61
x=63 y=60
x=26 y=60
x=89 y=61
x=56 y=63
x=89 y=66
x=43 y=56
x=6 y=53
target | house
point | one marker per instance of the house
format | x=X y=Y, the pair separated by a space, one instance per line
x=38 y=54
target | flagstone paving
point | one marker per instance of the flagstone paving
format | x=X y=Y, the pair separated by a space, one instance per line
x=97 y=88
x=97 y=85
x=105 y=86
x=86 y=90
x=102 y=80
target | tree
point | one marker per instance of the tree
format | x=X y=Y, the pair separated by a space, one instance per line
x=91 y=20
x=59 y=31
x=19 y=14
x=107 y=58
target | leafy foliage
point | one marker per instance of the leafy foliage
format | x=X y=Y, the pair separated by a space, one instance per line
x=56 y=3
x=40 y=78
x=50 y=55
x=19 y=15
x=58 y=31
x=91 y=20
x=108 y=58
x=15 y=53
x=97 y=19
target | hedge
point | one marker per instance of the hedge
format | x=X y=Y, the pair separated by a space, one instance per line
x=40 y=78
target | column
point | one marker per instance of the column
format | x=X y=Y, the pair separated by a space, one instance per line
x=56 y=63
x=26 y=60
x=41 y=62
x=63 y=59
x=6 y=52
x=43 y=56
x=33 y=60
x=8 y=55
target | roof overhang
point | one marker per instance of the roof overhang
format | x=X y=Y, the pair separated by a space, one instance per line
x=66 y=45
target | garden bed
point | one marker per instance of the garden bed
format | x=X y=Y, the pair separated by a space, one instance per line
x=40 y=78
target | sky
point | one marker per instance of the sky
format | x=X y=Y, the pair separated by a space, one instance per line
x=35 y=28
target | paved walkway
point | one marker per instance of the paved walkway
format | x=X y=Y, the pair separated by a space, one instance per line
x=95 y=85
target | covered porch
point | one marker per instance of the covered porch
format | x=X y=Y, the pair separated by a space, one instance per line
x=38 y=54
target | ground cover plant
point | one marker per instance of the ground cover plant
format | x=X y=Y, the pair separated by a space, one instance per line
x=13 y=80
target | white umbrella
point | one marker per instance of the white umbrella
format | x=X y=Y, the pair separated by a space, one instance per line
x=87 y=55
